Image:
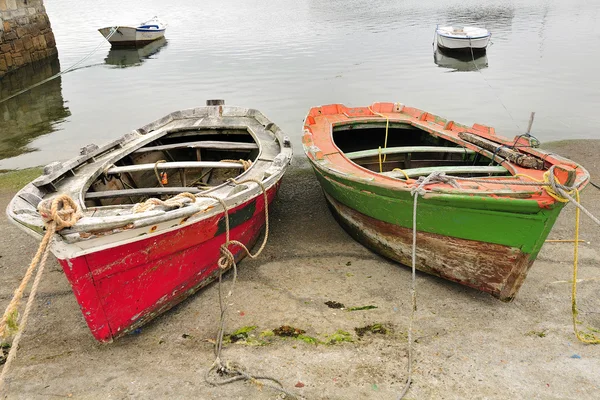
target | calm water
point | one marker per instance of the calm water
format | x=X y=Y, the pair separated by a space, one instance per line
x=285 y=56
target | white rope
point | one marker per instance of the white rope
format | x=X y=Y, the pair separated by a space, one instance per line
x=70 y=69
x=415 y=192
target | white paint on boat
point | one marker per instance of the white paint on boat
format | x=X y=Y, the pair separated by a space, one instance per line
x=146 y=32
x=462 y=37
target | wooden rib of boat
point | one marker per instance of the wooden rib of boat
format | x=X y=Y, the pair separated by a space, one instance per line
x=482 y=235
x=125 y=267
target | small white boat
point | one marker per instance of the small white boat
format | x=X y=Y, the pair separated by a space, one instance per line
x=140 y=35
x=461 y=38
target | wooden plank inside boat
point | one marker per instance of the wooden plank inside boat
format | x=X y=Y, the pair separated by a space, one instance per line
x=157 y=191
x=173 y=165
x=208 y=144
x=411 y=149
x=414 y=172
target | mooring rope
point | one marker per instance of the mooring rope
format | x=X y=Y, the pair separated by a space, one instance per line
x=70 y=69
x=560 y=193
x=415 y=193
x=226 y=261
x=57 y=213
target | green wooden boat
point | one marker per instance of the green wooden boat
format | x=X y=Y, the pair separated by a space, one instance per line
x=485 y=234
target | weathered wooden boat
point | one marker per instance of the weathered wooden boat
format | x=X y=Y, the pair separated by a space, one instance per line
x=462 y=38
x=483 y=235
x=127 y=267
x=139 y=35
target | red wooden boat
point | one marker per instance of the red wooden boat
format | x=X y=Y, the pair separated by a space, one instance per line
x=127 y=267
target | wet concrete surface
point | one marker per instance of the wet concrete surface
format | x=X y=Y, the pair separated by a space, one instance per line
x=467 y=344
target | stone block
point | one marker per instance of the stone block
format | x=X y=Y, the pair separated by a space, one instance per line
x=5 y=48
x=49 y=38
x=11 y=4
x=3 y=66
x=18 y=61
x=27 y=57
x=23 y=21
x=22 y=31
x=17 y=45
x=7 y=25
x=42 y=40
x=31 y=10
x=3 y=6
x=12 y=35
x=9 y=60
x=28 y=43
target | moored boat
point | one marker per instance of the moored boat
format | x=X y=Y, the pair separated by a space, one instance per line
x=139 y=35
x=127 y=263
x=462 y=38
x=485 y=235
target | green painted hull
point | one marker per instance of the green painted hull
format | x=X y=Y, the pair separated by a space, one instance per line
x=511 y=230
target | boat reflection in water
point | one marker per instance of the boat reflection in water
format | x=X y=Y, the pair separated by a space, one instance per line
x=460 y=62
x=123 y=57
x=33 y=113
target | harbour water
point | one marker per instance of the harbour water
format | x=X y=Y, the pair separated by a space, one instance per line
x=284 y=57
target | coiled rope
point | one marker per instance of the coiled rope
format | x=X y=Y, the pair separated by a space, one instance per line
x=57 y=213
x=226 y=261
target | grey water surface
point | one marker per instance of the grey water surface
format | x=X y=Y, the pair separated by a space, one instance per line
x=282 y=57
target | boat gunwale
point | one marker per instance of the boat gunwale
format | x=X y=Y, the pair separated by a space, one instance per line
x=144 y=135
x=436 y=126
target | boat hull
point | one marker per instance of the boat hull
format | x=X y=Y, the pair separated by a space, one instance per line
x=477 y=45
x=122 y=286
x=488 y=250
x=131 y=36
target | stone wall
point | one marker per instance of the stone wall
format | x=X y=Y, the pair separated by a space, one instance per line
x=25 y=34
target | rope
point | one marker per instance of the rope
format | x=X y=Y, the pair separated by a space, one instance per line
x=387 y=126
x=175 y=201
x=245 y=163
x=560 y=193
x=415 y=192
x=70 y=69
x=493 y=90
x=57 y=213
x=226 y=261
x=156 y=172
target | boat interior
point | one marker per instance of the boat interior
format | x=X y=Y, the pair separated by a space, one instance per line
x=184 y=160
x=410 y=152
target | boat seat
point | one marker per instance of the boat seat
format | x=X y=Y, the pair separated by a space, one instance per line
x=405 y=150
x=154 y=191
x=206 y=144
x=173 y=165
x=468 y=169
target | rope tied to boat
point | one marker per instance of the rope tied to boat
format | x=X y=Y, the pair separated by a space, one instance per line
x=226 y=261
x=246 y=164
x=557 y=191
x=58 y=213
x=177 y=201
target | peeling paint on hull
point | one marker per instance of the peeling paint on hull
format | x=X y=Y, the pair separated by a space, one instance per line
x=123 y=287
x=495 y=269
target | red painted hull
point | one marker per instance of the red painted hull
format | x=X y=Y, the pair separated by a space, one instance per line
x=123 y=287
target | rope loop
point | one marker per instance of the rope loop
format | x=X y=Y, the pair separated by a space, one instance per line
x=60 y=210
